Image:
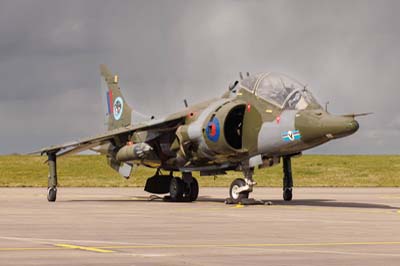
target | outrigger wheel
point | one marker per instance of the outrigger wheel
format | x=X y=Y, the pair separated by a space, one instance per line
x=287 y=194
x=236 y=196
x=51 y=194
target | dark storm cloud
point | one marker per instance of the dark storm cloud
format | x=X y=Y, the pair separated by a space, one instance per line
x=165 y=51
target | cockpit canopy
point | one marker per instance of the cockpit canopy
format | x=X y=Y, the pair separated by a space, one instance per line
x=280 y=90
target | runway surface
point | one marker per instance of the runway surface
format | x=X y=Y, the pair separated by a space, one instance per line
x=120 y=226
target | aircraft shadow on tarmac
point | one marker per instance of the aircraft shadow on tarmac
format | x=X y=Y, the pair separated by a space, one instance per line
x=303 y=202
x=314 y=203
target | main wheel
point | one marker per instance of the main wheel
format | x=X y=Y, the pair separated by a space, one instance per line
x=176 y=189
x=193 y=190
x=287 y=194
x=52 y=194
x=236 y=196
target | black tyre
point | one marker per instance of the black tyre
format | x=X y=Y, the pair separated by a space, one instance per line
x=287 y=194
x=176 y=189
x=51 y=194
x=235 y=196
x=193 y=190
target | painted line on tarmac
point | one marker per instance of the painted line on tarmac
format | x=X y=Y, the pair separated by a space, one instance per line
x=335 y=209
x=108 y=249
x=94 y=249
x=29 y=249
x=390 y=197
x=250 y=245
x=326 y=251
x=50 y=241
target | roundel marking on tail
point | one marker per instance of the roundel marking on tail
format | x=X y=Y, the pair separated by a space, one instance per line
x=118 y=108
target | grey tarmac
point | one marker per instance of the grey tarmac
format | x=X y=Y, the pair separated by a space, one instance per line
x=121 y=226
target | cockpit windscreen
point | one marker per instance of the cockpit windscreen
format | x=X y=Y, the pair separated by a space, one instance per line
x=280 y=90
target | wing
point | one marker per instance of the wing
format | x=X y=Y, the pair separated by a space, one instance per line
x=74 y=147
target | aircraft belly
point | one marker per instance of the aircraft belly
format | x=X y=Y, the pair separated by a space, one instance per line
x=272 y=137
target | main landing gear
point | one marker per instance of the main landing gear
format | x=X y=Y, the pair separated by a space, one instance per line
x=179 y=189
x=184 y=189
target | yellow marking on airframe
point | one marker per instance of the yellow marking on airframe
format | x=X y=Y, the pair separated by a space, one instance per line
x=239 y=205
x=94 y=249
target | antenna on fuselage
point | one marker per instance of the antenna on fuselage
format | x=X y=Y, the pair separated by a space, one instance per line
x=326 y=106
x=186 y=103
x=233 y=85
x=241 y=75
x=248 y=74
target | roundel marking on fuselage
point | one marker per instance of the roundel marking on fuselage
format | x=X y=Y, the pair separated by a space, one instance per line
x=213 y=130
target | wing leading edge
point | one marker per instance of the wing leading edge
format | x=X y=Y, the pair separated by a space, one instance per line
x=91 y=142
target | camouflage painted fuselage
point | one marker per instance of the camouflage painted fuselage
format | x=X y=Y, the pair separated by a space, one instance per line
x=261 y=119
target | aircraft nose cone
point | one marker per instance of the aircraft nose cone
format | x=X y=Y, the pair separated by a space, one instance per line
x=353 y=126
x=339 y=126
x=321 y=125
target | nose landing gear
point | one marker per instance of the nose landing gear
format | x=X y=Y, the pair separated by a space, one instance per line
x=236 y=192
x=240 y=188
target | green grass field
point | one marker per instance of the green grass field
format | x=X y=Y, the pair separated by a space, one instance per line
x=308 y=170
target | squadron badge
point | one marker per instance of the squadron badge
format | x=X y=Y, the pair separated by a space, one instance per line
x=118 y=108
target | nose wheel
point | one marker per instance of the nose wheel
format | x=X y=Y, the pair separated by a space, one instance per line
x=237 y=190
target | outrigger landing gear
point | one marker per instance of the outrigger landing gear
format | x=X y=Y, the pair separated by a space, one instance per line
x=241 y=188
x=52 y=180
x=287 y=179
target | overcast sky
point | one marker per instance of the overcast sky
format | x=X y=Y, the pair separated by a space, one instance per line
x=348 y=52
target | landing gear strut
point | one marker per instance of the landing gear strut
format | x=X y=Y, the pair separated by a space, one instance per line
x=287 y=179
x=52 y=180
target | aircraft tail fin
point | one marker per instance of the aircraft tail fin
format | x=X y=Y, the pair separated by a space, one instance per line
x=119 y=113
